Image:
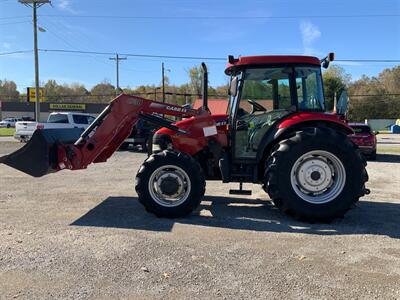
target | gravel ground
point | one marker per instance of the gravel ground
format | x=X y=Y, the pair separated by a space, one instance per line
x=83 y=234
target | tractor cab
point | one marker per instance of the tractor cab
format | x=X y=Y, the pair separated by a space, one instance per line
x=265 y=89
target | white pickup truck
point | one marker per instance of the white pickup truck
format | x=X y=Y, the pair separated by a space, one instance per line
x=24 y=130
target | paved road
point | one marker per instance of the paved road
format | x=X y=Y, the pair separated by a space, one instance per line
x=7 y=139
x=83 y=235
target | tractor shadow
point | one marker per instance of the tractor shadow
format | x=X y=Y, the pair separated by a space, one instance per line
x=390 y=158
x=378 y=218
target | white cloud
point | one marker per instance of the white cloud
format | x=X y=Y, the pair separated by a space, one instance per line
x=309 y=33
x=65 y=5
x=6 y=45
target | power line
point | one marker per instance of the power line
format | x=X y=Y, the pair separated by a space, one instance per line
x=12 y=23
x=368 y=60
x=199 y=57
x=15 y=52
x=14 y=17
x=180 y=57
x=132 y=54
x=236 y=18
x=117 y=58
x=60 y=30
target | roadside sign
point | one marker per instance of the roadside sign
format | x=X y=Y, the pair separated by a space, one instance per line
x=31 y=94
x=67 y=106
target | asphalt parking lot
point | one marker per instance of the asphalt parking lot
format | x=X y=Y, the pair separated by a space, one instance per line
x=83 y=234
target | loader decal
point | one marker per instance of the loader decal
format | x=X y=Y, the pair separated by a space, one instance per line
x=135 y=101
x=210 y=130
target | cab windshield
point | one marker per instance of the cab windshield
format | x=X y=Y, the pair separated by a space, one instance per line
x=281 y=88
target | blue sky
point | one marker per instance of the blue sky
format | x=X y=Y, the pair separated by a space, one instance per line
x=349 y=38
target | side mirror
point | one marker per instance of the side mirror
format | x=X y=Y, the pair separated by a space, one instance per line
x=233 y=86
x=327 y=59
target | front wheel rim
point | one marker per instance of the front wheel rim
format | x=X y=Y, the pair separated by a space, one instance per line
x=318 y=177
x=176 y=174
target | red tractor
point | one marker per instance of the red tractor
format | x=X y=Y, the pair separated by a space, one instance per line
x=276 y=133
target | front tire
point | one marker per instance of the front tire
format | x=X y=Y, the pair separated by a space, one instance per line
x=316 y=175
x=170 y=184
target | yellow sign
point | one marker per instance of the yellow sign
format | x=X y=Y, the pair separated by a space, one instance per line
x=67 y=106
x=32 y=94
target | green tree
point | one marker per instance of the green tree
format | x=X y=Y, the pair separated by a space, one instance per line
x=195 y=76
x=102 y=92
x=336 y=80
x=375 y=97
x=74 y=92
x=8 y=90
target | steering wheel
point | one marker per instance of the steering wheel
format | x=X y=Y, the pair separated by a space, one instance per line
x=255 y=106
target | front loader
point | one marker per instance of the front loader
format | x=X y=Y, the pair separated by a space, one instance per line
x=276 y=133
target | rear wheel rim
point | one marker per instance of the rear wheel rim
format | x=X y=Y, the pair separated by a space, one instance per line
x=318 y=177
x=174 y=174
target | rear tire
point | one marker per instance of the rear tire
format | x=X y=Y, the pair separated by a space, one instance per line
x=170 y=184
x=316 y=175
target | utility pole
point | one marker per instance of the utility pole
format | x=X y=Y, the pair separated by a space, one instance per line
x=35 y=4
x=117 y=59
x=163 y=82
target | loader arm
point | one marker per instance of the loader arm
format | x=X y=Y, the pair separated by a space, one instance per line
x=52 y=150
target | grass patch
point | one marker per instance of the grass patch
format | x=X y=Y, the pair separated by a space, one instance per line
x=388 y=149
x=7 y=131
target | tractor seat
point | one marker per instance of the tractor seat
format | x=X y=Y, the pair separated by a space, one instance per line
x=265 y=121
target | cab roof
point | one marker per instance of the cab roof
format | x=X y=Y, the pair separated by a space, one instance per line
x=270 y=59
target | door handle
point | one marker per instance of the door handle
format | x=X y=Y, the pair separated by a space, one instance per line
x=241 y=125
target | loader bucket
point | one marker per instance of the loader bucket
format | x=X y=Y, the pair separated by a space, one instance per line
x=39 y=156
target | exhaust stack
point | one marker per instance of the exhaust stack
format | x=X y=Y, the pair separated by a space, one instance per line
x=205 y=86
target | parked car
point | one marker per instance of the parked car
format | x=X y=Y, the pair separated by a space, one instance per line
x=140 y=135
x=365 y=139
x=8 y=122
x=25 y=129
x=25 y=118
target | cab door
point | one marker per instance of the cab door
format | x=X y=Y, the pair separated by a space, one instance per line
x=265 y=96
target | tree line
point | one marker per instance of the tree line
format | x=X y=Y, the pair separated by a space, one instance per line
x=370 y=97
x=103 y=92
